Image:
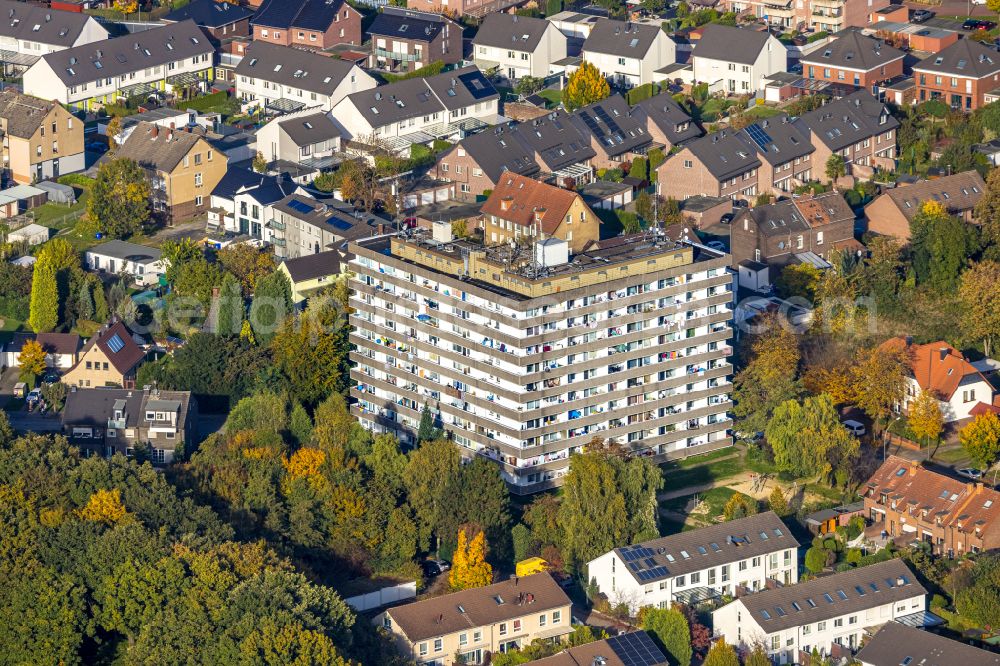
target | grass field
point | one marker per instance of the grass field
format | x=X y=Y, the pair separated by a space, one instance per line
x=552 y=96
x=712 y=502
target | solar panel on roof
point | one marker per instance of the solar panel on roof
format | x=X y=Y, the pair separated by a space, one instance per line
x=650 y=562
x=338 y=223
x=115 y=343
x=300 y=206
x=759 y=136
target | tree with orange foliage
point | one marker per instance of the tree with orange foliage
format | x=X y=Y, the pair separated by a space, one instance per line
x=304 y=463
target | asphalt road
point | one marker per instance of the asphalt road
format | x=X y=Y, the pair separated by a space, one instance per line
x=953 y=8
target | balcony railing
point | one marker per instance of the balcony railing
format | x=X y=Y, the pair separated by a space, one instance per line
x=396 y=55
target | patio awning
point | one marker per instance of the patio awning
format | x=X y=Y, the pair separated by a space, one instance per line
x=284 y=105
x=572 y=171
x=185 y=79
x=321 y=163
x=138 y=89
x=18 y=59
x=696 y=596
x=920 y=619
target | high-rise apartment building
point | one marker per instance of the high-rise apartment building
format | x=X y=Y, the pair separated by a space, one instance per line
x=526 y=354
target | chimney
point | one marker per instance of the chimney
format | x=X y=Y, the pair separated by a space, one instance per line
x=914 y=466
x=979 y=488
x=943 y=352
x=506 y=202
x=156 y=131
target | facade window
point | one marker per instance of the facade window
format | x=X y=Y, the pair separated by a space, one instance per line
x=503 y=628
x=556 y=617
x=438 y=644
x=422 y=648
x=197 y=180
x=541 y=619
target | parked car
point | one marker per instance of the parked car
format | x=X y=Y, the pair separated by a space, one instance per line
x=434 y=567
x=856 y=428
x=34 y=396
x=978 y=24
x=971 y=473
x=922 y=15
x=726 y=219
x=96 y=147
x=51 y=377
x=716 y=245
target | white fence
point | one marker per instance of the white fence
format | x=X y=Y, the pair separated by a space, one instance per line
x=383 y=597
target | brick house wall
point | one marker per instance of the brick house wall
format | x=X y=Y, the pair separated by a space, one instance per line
x=447 y=50
x=683 y=176
x=960 y=92
x=778 y=249
x=817 y=72
x=884 y=217
x=344 y=29
x=457 y=166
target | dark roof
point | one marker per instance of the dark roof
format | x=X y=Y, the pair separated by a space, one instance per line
x=500 y=149
x=124 y=250
x=669 y=117
x=957 y=193
x=896 y=644
x=34 y=23
x=23 y=113
x=117 y=336
x=156 y=147
x=310 y=129
x=130 y=53
x=307 y=14
x=480 y=606
x=618 y=38
x=725 y=153
x=613 y=125
x=850 y=119
x=329 y=218
x=408 y=24
x=556 y=140
x=777 y=140
x=266 y=189
x=296 y=68
x=966 y=57
x=94 y=406
x=832 y=596
x=777 y=219
x=312 y=266
x=799 y=214
x=411 y=98
x=52 y=343
x=510 y=31
x=210 y=13
x=723 y=42
x=636 y=648
x=852 y=50
x=711 y=546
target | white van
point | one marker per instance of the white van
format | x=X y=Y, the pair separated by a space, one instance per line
x=856 y=428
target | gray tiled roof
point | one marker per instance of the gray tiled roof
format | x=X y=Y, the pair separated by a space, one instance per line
x=725 y=153
x=711 y=546
x=510 y=31
x=305 y=14
x=409 y=24
x=311 y=266
x=966 y=57
x=130 y=53
x=94 y=406
x=850 y=119
x=895 y=643
x=620 y=38
x=957 y=193
x=786 y=140
x=155 y=147
x=310 y=129
x=411 y=98
x=613 y=125
x=210 y=13
x=832 y=596
x=852 y=50
x=500 y=149
x=729 y=44
x=33 y=23
x=668 y=115
x=295 y=68
x=23 y=113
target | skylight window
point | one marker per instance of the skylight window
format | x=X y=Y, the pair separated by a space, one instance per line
x=763 y=535
x=685 y=555
x=796 y=606
x=781 y=611
x=277 y=67
x=874 y=586
x=765 y=615
x=715 y=547
x=701 y=549
x=829 y=599
x=670 y=558
x=860 y=590
x=812 y=604
x=778 y=532
x=842 y=595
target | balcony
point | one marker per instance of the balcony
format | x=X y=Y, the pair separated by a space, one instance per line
x=834 y=15
x=396 y=55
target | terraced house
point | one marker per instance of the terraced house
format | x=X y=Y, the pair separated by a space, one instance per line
x=308 y=24
x=525 y=353
x=41 y=138
x=30 y=31
x=960 y=75
x=155 y=62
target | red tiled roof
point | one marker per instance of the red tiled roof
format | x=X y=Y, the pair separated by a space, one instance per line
x=936 y=366
x=524 y=201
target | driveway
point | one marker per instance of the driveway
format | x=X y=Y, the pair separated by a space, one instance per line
x=194 y=229
x=23 y=421
x=952 y=8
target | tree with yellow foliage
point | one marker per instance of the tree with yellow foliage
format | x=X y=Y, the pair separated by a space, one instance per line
x=127 y=6
x=469 y=567
x=104 y=506
x=586 y=85
x=926 y=421
x=304 y=463
x=32 y=358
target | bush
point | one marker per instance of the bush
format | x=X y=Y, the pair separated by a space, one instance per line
x=816 y=36
x=639 y=93
x=938 y=601
x=816 y=559
x=853 y=556
x=844 y=566
x=427 y=70
x=933 y=107
x=326 y=182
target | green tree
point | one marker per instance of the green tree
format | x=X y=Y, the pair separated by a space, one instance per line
x=816 y=559
x=798 y=280
x=808 y=439
x=231 y=310
x=310 y=350
x=85 y=301
x=778 y=503
x=769 y=378
x=981 y=440
x=721 y=654
x=739 y=506
x=42 y=617
x=179 y=252
x=585 y=86
x=879 y=379
x=428 y=478
x=272 y=302
x=979 y=294
x=248 y=263
x=480 y=497
x=644 y=206
x=259 y=162
x=979 y=600
x=758 y=656
x=528 y=85
x=670 y=627
x=300 y=425
x=427 y=431
x=940 y=245
x=44 y=315
x=101 y=311
x=119 y=198
x=640 y=169
x=835 y=167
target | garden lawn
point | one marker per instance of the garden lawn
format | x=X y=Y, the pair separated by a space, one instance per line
x=551 y=95
x=712 y=504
